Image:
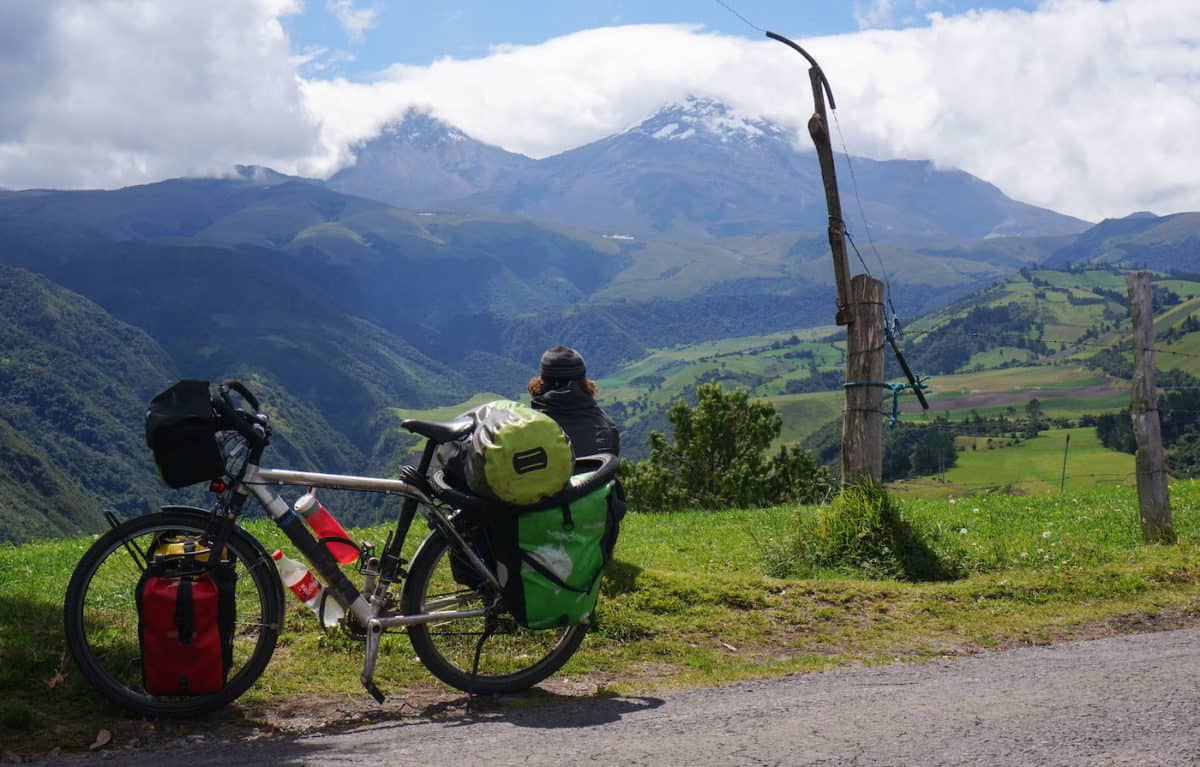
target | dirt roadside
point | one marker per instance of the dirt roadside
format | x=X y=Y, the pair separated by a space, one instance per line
x=328 y=716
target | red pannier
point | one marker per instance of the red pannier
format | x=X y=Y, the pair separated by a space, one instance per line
x=185 y=622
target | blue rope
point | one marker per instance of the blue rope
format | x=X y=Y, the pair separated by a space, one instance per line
x=896 y=388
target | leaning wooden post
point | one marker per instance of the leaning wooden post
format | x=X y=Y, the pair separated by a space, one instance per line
x=1153 y=500
x=862 y=426
x=818 y=129
x=859 y=308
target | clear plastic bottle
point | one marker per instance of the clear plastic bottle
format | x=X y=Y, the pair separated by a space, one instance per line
x=306 y=588
x=325 y=526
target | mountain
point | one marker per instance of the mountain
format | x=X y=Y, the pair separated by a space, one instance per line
x=693 y=170
x=339 y=309
x=217 y=307
x=214 y=269
x=75 y=384
x=1139 y=241
x=420 y=161
x=76 y=381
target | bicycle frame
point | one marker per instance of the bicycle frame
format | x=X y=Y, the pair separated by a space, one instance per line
x=367 y=609
x=447 y=599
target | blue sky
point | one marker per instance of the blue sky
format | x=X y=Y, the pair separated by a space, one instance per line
x=1087 y=107
x=417 y=33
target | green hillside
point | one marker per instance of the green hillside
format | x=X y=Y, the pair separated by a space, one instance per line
x=1032 y=336
x=994 y=465
x=451 y=285
x=74 y=383
x=1139 y=241
x=73 y=387
x=347 y=314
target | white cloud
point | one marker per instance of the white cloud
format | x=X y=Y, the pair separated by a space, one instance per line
x=355 y=21
x=1085 y=107
x=1091 y=108
x=138 y=90
x=876 y=13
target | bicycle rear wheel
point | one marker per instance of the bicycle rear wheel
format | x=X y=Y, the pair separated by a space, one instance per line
x=101 y=620
x=512 y=658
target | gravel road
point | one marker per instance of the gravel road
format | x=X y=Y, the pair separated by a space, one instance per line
x=1129 y=700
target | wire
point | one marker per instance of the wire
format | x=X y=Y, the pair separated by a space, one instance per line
x=740 y=16
x=867 y=268
x=887 y=283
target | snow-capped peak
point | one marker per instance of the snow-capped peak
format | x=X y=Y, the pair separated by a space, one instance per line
x=703 y=117
x=422 y=129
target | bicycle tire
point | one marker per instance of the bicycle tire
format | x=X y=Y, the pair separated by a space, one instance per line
x=101 y=622
x=513 y=658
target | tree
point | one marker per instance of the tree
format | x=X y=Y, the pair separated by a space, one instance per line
x=718 y=458
x=1033 y=412
x=935 y=451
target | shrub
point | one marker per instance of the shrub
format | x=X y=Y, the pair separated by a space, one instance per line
x=718 y=459
x=862 y=532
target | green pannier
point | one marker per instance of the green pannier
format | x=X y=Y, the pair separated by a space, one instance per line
x=562 y=554
x=548 y=558
x=515 y=454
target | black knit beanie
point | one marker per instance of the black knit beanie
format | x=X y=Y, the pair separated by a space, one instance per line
x=563 y=363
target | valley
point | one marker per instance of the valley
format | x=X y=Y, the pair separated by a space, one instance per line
x=687 y=249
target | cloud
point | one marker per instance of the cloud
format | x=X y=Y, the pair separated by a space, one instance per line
x=24 y=60
x=1090 y=108
x=127 y=91
x=877 y=13
x=355 y=21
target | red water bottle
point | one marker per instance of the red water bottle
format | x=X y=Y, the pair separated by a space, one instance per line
x=297 y=578
x=307 y=589
x=325 y=526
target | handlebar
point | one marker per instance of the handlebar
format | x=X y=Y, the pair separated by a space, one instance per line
x=241 y=389
x=252 y=426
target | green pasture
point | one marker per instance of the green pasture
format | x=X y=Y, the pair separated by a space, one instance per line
x=997 y=356
x=1032 y=379
x=1082 y=280
x=1002 y=464
x=803 y=414
x=749 y=362
x=1054 y=404
x=688 y=602
x=1186 y=289
x=1175 y=315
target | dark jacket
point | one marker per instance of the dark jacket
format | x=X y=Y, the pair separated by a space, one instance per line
x=588 y=427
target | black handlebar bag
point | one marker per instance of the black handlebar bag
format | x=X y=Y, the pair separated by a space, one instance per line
x=181 y=430
x=186 y=603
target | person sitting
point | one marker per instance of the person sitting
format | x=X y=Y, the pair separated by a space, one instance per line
x=565 y=393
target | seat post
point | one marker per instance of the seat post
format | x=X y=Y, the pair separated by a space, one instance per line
x=390 y=561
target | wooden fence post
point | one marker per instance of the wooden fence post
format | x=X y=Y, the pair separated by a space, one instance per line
x=1153 y=501
x=862 y=426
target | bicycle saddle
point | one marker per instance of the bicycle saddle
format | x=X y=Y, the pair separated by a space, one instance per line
x=440 y=431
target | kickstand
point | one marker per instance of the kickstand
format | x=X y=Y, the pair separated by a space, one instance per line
x=488 y=629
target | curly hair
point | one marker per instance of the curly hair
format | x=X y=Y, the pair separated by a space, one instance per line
x=539 y=386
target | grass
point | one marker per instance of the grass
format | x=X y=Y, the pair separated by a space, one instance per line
x=689 y=601
x=1023 y=467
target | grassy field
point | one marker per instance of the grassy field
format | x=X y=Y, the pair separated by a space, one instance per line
x=1025 y=467
x=764 y=364
x=688 y=602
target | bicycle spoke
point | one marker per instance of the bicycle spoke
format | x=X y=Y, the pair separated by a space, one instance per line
x=512 y=658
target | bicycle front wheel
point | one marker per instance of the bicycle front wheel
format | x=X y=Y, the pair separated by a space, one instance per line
x=511 y=659
x=101 y=618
